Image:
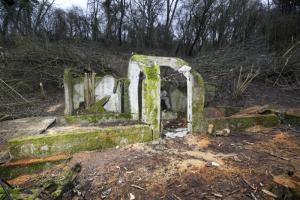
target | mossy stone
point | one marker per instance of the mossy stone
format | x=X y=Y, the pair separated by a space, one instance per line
x=238 y=123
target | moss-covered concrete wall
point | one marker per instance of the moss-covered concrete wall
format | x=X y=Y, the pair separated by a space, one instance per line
x=151 y=98
x=150 y=90
x=71 y=141
x=68 y=87
x=198 y=97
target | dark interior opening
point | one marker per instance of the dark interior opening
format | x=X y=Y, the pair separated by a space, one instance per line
x=140 y=95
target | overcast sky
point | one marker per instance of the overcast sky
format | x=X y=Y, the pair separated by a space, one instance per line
x=69 y=3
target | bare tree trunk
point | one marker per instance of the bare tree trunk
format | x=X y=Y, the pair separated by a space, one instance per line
x=122 y=10
x=107 y=9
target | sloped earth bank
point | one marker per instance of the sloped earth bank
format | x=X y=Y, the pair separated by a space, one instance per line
x=255 y=164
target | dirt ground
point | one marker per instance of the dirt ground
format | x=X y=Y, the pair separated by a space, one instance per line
x=255 y=164
x=197 y=167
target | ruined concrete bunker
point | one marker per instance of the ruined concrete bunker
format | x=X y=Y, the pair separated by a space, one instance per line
x=140 y=97
x=125 y=110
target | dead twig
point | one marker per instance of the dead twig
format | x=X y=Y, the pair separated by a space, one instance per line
x=283 y=158
x=138 y=187
x=217 y=195
x=253 y=196
x=267 y=192
x=252 y=187
x=176 y=197
x=233 y=192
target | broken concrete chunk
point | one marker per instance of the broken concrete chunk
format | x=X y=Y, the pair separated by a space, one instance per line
x=210 y=129
x=180 y=132
x=98 y=107
x=108 y=87
x=224 y=132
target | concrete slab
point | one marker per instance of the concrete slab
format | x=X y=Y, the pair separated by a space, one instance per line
x=75 y=139
x=26 y=126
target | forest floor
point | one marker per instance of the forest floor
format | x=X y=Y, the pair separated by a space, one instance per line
x=258 y=163
x=254 y=164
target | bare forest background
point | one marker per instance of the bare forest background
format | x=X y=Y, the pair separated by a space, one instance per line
x=230 y=42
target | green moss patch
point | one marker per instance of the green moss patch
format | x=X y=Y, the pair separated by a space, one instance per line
x=243 y=122
x=180 y=62
x=98 y=118
x=98 y=107
x=79 y=139
x=141 y=59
